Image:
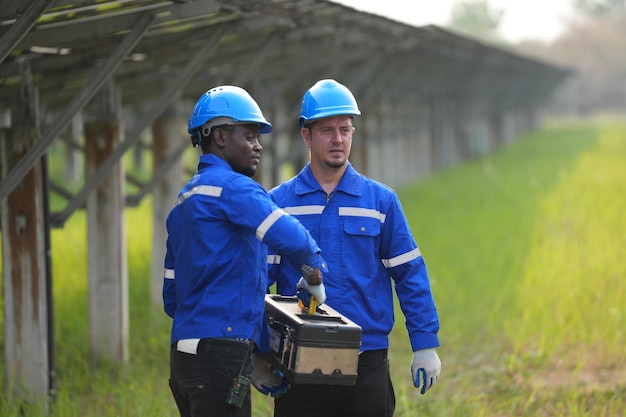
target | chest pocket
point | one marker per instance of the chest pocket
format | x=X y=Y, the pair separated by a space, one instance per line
x=359 y=251
x=361 y=226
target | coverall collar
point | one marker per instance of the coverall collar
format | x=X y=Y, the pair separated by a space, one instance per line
x=212 y=159
x=351 y=182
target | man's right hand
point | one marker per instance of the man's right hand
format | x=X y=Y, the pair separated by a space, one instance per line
x=317 y=291
x=267 y=379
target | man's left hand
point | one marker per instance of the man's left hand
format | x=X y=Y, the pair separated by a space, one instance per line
x=425 y=369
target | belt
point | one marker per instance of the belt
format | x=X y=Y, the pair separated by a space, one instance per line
x=379 y=354
x=191 y=345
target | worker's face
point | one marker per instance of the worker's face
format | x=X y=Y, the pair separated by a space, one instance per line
x=329 y=141
x=242 y=149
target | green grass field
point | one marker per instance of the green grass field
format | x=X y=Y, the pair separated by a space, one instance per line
x=524 y=248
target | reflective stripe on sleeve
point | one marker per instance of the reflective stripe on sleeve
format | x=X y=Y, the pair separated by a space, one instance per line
x=209 y=190
x=301 y=210
x=268 y=222
x=169 y=274
x=402 y=259
x=273 y=259
x=362 y=212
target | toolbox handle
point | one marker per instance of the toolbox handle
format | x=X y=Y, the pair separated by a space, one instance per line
x=284 y=298
x=309 y=317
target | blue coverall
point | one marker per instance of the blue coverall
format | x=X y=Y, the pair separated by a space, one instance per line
x=367 y=243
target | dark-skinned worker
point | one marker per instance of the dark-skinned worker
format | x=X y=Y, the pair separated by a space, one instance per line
x=215 y=276
x=368 y=245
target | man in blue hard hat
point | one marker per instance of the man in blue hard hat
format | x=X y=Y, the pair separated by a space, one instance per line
x=215 y=276
x=368 y=245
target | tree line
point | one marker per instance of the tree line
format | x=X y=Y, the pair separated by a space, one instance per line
x=593 y=46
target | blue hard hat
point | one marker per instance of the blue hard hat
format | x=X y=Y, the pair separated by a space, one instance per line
x=327 y=98
x=227 y=101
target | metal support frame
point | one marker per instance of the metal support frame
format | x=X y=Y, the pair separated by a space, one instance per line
x=133 y=136
x=259 y=58
x=158 y=174
x=104 y=72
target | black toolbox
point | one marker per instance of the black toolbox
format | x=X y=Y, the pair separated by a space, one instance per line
x=320 y=348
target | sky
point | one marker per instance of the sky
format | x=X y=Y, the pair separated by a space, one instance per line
x=541 y=20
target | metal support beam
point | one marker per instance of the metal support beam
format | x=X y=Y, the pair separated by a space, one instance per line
x=259 y=58
x=22 y=26
x=103 y=73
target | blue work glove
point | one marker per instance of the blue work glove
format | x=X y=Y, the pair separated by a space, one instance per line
x=425 y=369
x=305 y=289
x=267 y=379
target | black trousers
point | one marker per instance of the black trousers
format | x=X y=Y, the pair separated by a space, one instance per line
x=371 y=396
x=200 y=383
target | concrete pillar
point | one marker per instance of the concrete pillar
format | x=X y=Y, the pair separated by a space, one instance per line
x=267 y=171
x=106 y=235
x=71 y=154
x=358 y=153
x=167 y=133
x=407 y=152
x=394 y=166
x=276 y=145
x=374 y=125
x=25 y=271
x=435 y=132
x=423 y=134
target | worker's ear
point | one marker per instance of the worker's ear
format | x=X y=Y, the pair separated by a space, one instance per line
x=306 y=136
x=219 y=136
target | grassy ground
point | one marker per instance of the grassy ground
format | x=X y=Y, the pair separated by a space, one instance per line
x=524 y=248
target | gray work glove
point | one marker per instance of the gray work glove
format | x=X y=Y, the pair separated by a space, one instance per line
x=425 y=369
x=317 y=291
